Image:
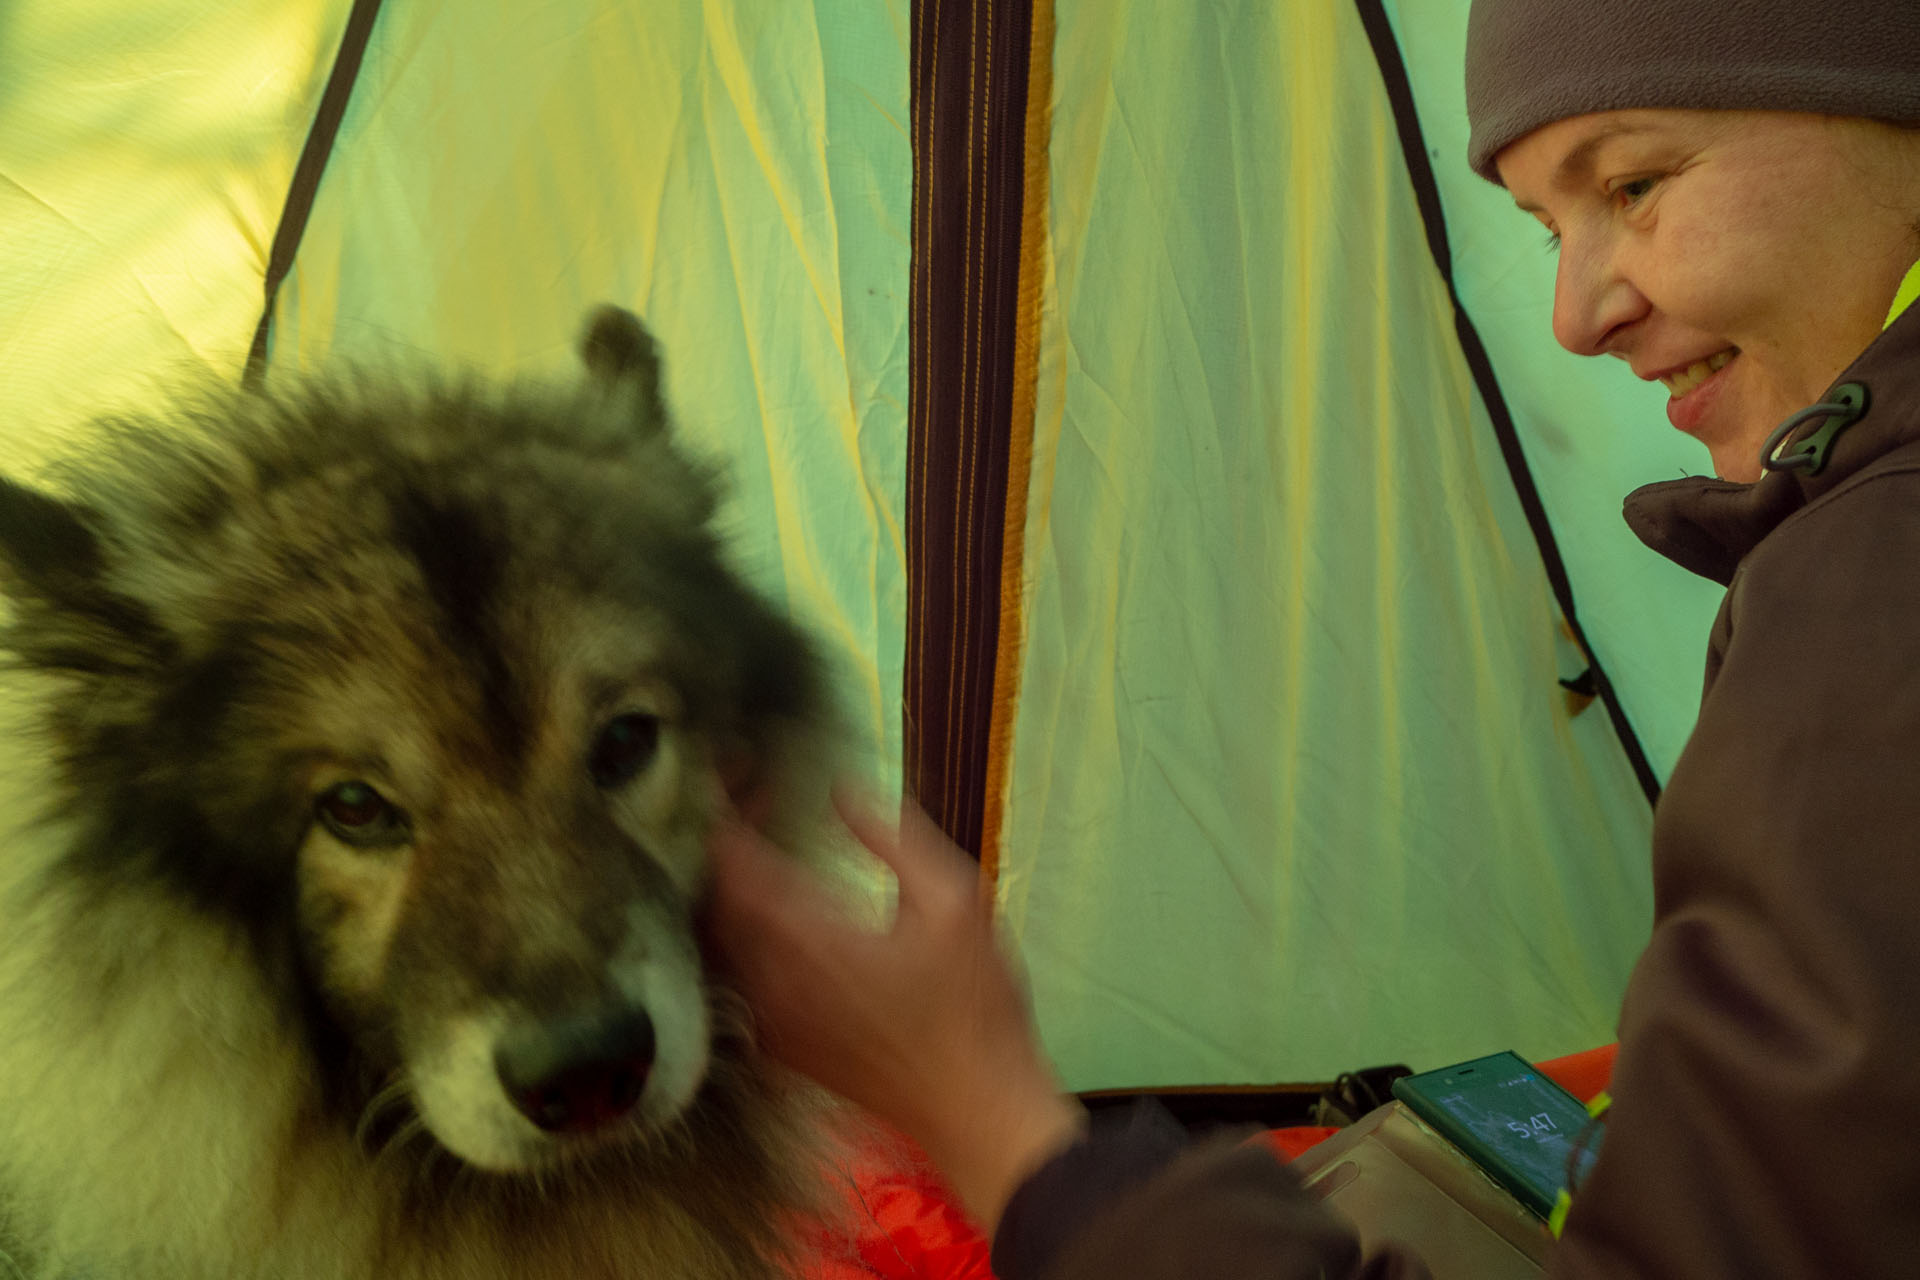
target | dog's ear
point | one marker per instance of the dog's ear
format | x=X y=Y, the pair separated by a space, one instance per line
x=622 y=357
x=56 y=570
x=46 y=545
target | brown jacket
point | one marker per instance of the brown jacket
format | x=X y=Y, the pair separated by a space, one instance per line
x=1766 y=1115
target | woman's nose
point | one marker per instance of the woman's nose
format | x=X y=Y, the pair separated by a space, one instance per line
x=1593 y=302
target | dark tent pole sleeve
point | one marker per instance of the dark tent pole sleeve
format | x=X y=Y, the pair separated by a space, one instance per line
x=973 y=311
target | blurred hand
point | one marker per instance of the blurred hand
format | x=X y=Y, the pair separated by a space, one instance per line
x=923 y=1024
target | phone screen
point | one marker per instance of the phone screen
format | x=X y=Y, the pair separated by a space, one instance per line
x=1516 y=1123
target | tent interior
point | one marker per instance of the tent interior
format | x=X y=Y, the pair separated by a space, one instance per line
x=1315 y=524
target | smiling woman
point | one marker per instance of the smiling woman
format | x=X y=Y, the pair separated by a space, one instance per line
x=1741 y=258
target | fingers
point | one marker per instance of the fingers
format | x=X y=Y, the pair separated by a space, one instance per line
x=931 y=869
x=756 y=807
x=748 y=868
x=759 y=896
x=921 y=1023
x=857 y=809
x=779 y=936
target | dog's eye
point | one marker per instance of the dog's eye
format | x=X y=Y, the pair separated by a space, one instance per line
x=623 y=748
x=358 y=814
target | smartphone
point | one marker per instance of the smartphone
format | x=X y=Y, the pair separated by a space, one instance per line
x=1510 y=1120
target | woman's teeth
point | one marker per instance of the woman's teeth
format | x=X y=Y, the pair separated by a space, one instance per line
x=1678 y=384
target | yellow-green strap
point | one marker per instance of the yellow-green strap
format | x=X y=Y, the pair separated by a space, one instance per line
x=1909 y=290
x=1557 y=1220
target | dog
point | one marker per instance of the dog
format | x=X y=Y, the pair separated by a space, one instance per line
x=361 y=738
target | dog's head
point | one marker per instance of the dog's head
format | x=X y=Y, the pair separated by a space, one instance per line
x=434 y=693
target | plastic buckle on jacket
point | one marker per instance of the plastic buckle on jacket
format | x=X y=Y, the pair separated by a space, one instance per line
x=1847 y=405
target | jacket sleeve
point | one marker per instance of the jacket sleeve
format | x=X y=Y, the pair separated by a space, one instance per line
x=1134 y=1199
x=1764 y=1115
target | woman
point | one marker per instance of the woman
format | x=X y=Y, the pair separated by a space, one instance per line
x=1735 y=190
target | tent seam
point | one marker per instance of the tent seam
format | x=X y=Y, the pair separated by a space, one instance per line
x=305 y=185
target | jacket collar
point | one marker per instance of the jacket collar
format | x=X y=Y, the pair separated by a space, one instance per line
x=1708 y=525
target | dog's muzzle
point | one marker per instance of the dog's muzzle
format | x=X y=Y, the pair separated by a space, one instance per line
x=578 y=1074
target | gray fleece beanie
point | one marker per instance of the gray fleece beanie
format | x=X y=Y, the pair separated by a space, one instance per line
x=1532 y=62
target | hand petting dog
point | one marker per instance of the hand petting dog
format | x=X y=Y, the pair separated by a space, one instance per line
x=924 y=1024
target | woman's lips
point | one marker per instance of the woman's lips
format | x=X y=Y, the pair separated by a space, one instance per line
x=1695 y=389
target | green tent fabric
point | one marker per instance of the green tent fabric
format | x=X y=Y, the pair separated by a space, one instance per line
x=1291 y=783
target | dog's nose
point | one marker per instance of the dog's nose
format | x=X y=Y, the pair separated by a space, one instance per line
x=577 y=1074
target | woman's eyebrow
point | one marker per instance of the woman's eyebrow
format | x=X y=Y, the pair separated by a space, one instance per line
x=1577 y=165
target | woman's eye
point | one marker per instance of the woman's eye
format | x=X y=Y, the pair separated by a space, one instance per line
x=358 y=814
x=1632 y=193
x=623 y=748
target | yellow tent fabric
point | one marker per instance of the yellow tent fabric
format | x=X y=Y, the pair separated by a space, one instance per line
x=145 y=152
